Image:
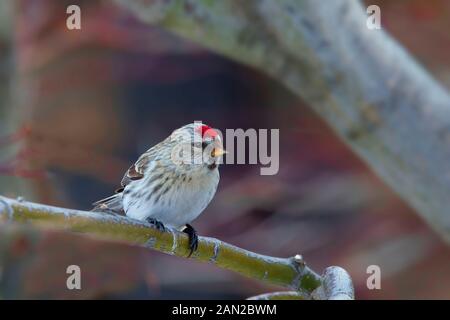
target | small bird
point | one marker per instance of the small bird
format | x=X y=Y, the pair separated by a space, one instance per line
x=172 y=182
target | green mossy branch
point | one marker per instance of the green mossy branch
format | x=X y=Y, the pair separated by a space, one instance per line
x=288 y=272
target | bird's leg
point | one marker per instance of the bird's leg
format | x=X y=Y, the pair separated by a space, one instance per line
x=193 y=238
x=158 y=224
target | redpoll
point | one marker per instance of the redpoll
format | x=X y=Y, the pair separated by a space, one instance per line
x=171 y=183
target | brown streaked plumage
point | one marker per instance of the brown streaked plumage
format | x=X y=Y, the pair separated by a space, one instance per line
x=171 y=183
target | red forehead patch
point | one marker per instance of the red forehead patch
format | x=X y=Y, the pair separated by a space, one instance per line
x=207 y=131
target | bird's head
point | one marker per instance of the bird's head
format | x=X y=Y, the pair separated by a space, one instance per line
x=197 y=145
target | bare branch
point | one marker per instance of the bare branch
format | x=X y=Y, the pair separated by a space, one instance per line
x=288 y=272
x=336 y=285
x=363 y=83
x=282 y=295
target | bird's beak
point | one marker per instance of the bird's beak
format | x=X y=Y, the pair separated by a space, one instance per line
x=217 y=152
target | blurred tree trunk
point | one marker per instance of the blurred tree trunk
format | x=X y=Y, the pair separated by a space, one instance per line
x=66 y=83
x=9 y=120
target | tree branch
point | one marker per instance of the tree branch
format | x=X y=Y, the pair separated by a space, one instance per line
x=362 y=82
x=288 y=272
x=336 y=285
x=282 y=295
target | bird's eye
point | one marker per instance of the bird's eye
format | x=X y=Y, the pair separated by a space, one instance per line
x=199 y=145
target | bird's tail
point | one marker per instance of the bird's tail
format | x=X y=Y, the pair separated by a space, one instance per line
x=112 y=204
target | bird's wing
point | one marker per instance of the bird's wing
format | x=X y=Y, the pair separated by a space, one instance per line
x=136 y=171
x=114 y=202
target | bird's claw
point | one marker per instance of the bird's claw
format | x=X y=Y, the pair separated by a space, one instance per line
x=158 y=224
x=193 y=239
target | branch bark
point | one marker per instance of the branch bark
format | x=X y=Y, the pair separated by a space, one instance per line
x=385 y=106
x=282 y=295
x=288 y=272
x=336 y=285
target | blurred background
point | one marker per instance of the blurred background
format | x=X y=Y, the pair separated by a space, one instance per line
x=78 y=107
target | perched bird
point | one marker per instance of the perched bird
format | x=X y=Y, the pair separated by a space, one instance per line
x=172 y=182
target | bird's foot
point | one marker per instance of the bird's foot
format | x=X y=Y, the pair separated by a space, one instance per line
x=193 y=238
x=158 y=224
